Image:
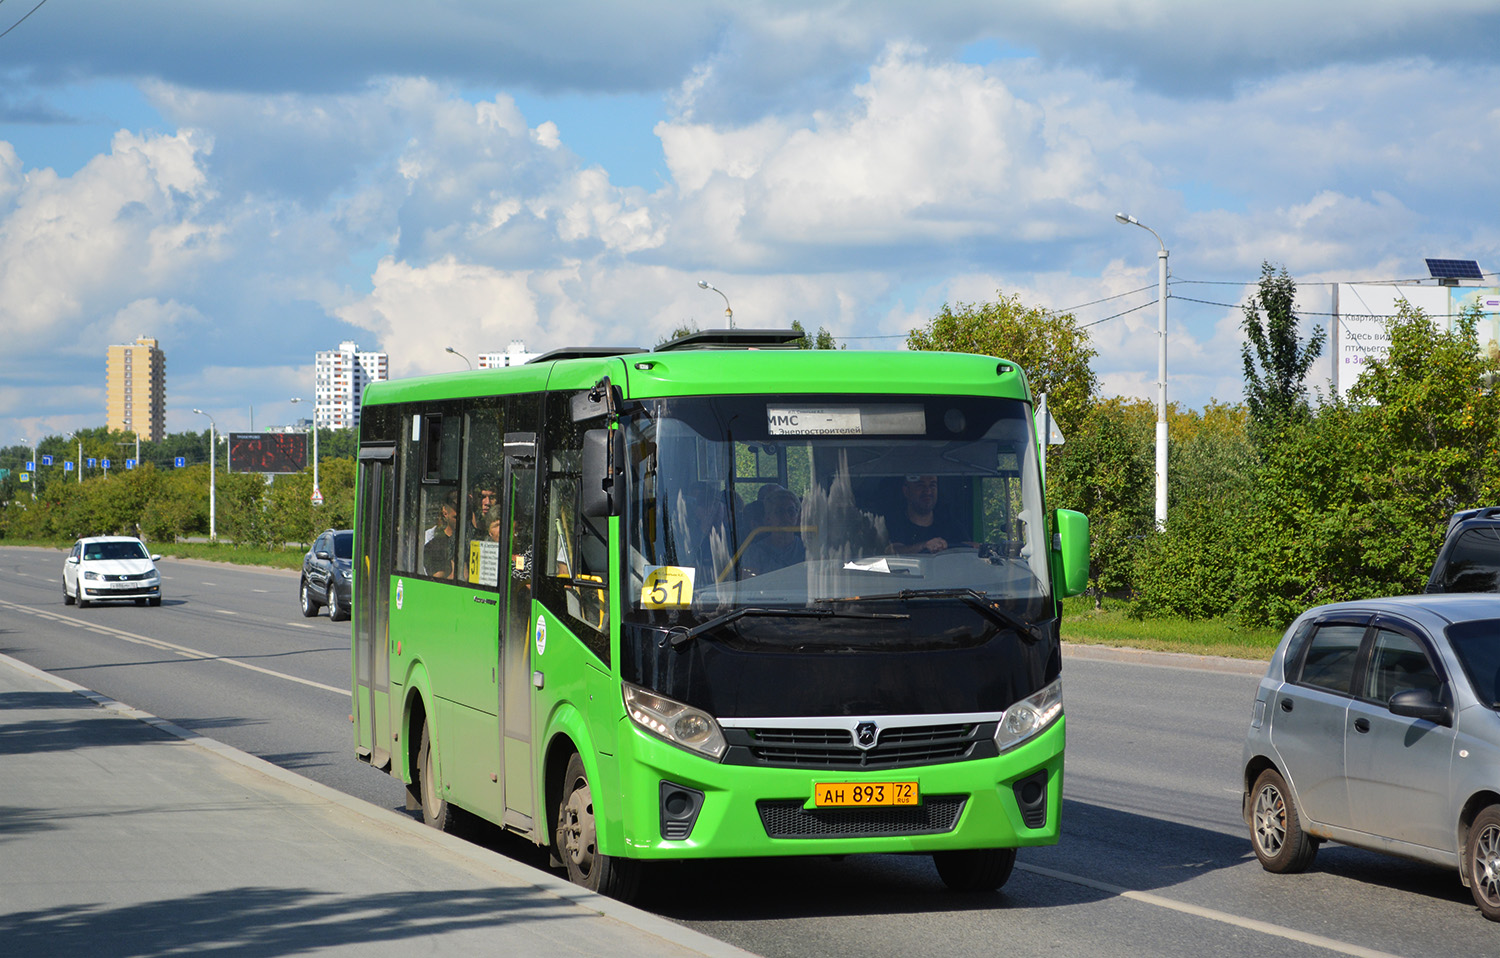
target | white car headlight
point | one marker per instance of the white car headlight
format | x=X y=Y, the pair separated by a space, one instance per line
x=91 y=575
x=681 y=725
x=1029 y=717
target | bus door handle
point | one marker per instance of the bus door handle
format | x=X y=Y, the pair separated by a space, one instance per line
x=538 y=679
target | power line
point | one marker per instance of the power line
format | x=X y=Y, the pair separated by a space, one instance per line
x=23 y=19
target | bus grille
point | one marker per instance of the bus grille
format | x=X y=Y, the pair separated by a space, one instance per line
x=788 y=819
x=834 y=748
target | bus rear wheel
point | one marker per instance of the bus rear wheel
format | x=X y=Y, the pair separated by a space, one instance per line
x=975 y=869
x=577 y=841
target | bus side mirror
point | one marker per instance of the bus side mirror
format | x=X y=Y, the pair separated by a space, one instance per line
x=602 y=452
x=1070 y=551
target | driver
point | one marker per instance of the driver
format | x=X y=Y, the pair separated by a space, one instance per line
x=918 y=528
x=777 y=542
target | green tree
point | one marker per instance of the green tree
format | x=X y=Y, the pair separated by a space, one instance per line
x=1104 y=471
x=1054 y=352
x=822 y=340
x=1276 y=361
x=1353 y=502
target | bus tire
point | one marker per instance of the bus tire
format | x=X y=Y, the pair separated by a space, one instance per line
x=577 y=841
x=435 y=809
x=975 y=869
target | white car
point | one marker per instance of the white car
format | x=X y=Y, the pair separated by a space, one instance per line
x=108 y=569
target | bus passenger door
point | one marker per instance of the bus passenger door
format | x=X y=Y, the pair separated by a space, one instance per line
x=372 y=589
x=515 y=630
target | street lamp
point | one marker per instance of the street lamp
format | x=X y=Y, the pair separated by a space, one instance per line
x=728 y=313
x=317 y=493
x=460 y=355
x=1161 y=369
x=213 y=530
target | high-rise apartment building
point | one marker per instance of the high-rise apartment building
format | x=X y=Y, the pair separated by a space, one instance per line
x=514 y=355
x=341 y=376
x=136 y=388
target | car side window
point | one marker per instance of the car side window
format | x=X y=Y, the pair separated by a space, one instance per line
x=1331 y=655
x=1398 y=662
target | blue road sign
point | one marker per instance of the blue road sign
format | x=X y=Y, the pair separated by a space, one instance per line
x=93 y=462
x=129 y=463
x=180 y=461
x=68 y=465
x=26 y=476
x=31 y=465
x=106 y=463
x=46 y=460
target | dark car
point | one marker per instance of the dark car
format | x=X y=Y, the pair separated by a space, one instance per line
x=1377 y=725
x=327 y=574
x=1469 y=560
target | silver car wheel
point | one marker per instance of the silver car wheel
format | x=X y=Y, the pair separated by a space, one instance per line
x=1487 y=863
x=1270 y=820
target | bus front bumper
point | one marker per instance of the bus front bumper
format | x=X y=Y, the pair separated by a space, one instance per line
x=725 y=811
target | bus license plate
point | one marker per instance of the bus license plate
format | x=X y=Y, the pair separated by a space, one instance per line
x=860 y=794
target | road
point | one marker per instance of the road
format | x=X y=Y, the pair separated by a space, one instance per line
x=1154 y=858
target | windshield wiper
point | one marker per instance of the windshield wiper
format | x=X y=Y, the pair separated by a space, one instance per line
x=680 y=635
x=974 y=598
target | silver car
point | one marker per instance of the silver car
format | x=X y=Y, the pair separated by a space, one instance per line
x=1376 y=725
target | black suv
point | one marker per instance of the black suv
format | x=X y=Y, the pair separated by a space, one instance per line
x=1469 y=560
x=327 y=574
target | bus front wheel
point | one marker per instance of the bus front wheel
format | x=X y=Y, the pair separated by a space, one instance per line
x=578 y=841
x=975 y=869
x=435 y=810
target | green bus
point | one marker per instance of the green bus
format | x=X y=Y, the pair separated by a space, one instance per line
x=717 y=599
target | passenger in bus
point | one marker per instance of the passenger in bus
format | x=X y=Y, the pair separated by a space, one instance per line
x=483 y=496
x=918 y=527
x=777 y=543
x=438 y=553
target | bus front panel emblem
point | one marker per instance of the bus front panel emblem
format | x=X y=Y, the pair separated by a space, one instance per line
x=865 y=734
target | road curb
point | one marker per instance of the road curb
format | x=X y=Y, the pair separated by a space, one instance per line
x=1173 y=660
x=515 y=871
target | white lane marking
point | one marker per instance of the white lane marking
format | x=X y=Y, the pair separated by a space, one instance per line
x=225 y=612
x=301 y=625
x=181 y=650
x=1213 y=914
x=212 y=584
x=262 y=591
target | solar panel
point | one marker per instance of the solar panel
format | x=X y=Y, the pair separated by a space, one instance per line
x=1454 y=269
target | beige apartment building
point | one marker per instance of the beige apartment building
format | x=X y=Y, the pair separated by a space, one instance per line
x=136 y=384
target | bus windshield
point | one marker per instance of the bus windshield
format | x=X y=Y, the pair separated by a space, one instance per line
x=849 y=514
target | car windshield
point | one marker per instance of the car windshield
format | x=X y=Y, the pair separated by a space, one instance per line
x=1477 y=645
x=849 y=505
x=115 y=550
x=343 y=545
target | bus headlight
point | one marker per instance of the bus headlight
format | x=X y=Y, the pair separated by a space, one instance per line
x=1029 y=717
x=682 y=725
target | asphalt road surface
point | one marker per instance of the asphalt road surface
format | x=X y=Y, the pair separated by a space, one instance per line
x=1154 y=859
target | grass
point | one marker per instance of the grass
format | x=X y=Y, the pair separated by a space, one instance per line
x=1082 y=623
x=1112 y=625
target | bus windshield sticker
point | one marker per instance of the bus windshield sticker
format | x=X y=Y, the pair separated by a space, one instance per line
x=484 y=562
x=667 y=587
x=883 y=419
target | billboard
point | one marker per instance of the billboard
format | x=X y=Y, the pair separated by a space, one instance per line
x=1357 y=333
x=278 y=452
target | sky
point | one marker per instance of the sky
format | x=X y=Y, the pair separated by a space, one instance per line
x=251 y=183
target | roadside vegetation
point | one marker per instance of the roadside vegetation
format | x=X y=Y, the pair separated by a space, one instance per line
x=1288 y=500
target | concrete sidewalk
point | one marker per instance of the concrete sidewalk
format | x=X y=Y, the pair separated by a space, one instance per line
x=123 y=835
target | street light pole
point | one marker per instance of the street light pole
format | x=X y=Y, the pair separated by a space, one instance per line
x=317 y=493
x=728 y=313
x=1161 y=370
x=460 y=355
x=213 y=530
